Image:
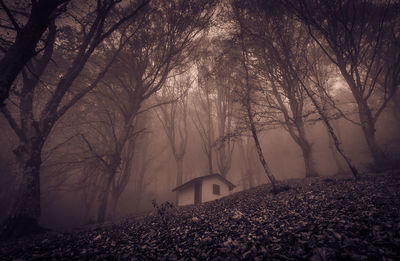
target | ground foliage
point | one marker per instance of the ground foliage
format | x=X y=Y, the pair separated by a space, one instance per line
x=316 y=219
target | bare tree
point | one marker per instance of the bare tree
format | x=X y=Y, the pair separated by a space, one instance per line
x=315 y=84
x=19 y=50
x=357 y=37
x=173 y=117
x=335 y=153
x=137 y=74
x=145 y=165
x=213 y=114
x=203 y=119
x=246 y=101
x=278 y=42
x=223 y=79
x=40 y=103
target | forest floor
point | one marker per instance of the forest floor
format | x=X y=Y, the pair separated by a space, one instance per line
x=314 y=219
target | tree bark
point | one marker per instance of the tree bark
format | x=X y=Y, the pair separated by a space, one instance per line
x=259 y=150
x=22 y=219
x=308 y=159
x=368 y=127
x=247 y=105
x=331 y=132
x=102 y=211
x=335 y=155
x=23 y=49
x=366 y=119
x=179 y=175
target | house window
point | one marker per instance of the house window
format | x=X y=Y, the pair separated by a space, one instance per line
x=216 y=190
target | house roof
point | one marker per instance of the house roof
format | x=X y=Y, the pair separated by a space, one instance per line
x=192 y=181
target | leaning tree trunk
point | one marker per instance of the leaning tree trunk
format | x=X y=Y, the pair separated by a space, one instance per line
x=335 y=155
x=258 y=146
x=261 y=157
x=331 y=132
x=247 y=104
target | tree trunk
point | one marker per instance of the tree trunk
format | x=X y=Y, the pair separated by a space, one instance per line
x=179 y=175
x=258 y=147
x=221 y=160
x=261 y=157
x=335 y=155
x=366 y=119
x=25 y=209
x=368 y=127
x=114 y=204
x=332 y=133
x=101 y=214
x=210 y=161
x=306 y=149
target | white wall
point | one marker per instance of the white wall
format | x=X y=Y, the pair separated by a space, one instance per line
x=207 y=189
x=186 y=196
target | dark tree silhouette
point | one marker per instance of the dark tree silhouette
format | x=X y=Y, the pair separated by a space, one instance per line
x=42 y=14
x=360 y=39
x=38 y=110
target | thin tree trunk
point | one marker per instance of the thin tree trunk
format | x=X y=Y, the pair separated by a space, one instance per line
x=210 y=161
x=247 y=103
x=335 y=155
x=258 y=147
x=353 y=169
x=179 y=175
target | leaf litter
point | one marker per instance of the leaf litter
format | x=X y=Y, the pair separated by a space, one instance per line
x=315 y=219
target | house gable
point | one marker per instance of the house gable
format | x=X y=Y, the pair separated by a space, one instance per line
x=208 y=185
x=186 y=196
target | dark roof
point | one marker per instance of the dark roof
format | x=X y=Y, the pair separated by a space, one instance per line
x=192 y=181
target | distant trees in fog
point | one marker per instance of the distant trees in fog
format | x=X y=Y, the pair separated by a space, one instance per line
x=217 y=74
x=361 y=39
x=76 y=59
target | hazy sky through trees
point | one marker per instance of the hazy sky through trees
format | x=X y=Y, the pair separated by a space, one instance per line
x=110 y=104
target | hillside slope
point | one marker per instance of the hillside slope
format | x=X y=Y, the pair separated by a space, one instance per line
x=313 y=220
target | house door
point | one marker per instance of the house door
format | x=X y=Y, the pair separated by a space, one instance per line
x=197 y=192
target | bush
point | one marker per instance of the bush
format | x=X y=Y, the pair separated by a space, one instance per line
x=163 y=211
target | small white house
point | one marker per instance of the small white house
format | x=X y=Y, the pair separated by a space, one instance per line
x=203 y=189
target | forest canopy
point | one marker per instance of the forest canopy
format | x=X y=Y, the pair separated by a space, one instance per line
x=106 y=104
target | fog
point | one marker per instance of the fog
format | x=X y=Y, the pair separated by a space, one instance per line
x=64 y=209
x=142 y=117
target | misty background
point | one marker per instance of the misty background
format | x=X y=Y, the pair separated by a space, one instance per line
x=159 y=100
